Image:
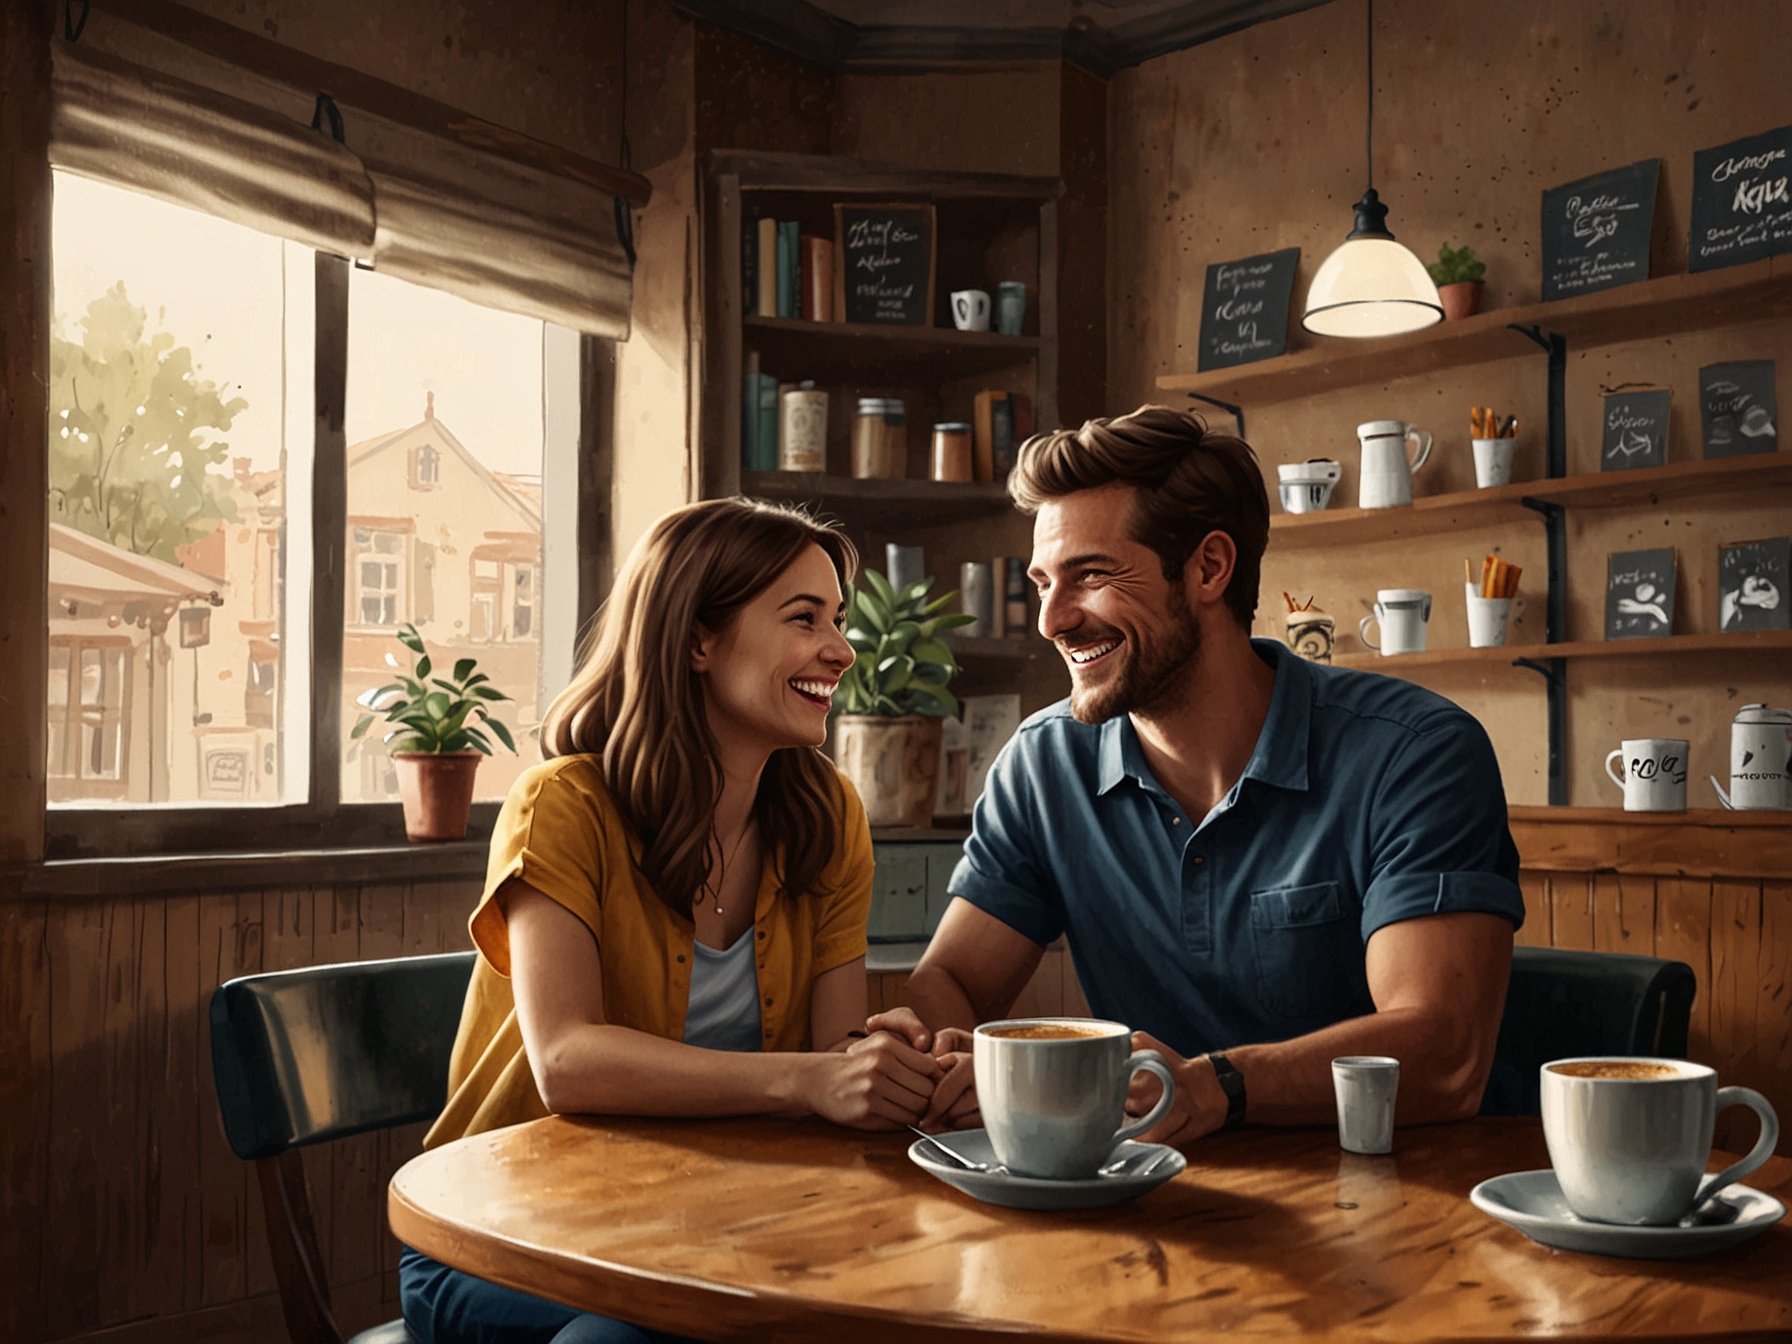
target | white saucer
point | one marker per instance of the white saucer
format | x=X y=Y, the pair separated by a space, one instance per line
x=1034 y=1192
x=1532 y=1202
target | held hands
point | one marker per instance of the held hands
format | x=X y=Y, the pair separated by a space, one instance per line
x=884 y=1081
x=1199 y=1107
x=952 y=1097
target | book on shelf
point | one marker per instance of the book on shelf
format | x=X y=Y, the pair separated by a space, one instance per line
x=759 y=418
x=1000 y=421
x=749 y=268
x=983 y=434
x=788 y=281
x=1023 y=417
x=1001 y=415
x=818 y=278
x=766 y=302
x=1011 y=612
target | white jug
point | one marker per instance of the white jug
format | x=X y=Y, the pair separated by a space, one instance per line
x=1386 y=478
x=1760 y=761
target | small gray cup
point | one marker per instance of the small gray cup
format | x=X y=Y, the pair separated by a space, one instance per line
x=1011 y=307
x=1365 y=1086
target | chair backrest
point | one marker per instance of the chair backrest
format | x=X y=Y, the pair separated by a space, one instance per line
x=304 y=1056
x=1561 y=1003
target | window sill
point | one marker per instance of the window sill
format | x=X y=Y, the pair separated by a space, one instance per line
x=193 y=874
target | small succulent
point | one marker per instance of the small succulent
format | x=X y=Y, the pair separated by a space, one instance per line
x=434 y=714
x=1455 y=265
x=903 y=665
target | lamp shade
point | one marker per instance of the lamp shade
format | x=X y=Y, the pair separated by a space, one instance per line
x=1371 y=286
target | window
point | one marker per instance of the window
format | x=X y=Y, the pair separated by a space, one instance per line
x=205 y=522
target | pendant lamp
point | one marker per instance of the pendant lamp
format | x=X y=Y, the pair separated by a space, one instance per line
x=1371 y=286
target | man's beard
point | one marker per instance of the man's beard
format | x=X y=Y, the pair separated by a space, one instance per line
x=1154 y=678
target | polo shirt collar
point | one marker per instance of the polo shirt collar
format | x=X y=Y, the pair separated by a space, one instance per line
x=1280 y=756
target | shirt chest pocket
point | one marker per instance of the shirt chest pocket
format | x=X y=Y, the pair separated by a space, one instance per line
x=1309 y=952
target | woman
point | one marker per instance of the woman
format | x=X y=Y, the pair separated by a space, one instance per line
x=674 y=912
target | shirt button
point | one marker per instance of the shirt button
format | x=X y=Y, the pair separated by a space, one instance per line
x=1175 y=821
x=681 y=957
x=768 y=1001
x=1199 y=859
x=762 y=935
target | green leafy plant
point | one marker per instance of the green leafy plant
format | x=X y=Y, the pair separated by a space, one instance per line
x=1455 y=265
x=903 y=665
x=434 y=714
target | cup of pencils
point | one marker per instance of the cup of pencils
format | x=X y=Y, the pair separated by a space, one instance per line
x=1494 y=437
x=1490 y=601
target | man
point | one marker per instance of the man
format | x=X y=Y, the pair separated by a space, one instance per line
x=1260 y=864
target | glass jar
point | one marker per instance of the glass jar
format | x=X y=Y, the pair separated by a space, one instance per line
x=951 y=451
x=880 y=438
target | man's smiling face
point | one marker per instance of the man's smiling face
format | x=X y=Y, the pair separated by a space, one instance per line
x=1125 y=631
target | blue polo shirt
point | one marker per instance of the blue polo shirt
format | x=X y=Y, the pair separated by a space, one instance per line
x=1367 y=800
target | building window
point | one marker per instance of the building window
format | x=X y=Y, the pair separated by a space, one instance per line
x=379 y=573
x=88 y=716
x=522 y=610
x=488 y=587
x=426 y=467
x=259 y=693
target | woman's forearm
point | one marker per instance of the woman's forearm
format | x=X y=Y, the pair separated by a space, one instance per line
x=610 y=1070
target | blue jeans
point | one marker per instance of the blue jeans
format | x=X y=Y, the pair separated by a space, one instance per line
x=445 y=1306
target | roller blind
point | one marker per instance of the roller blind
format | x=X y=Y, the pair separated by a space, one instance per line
x=423 y=209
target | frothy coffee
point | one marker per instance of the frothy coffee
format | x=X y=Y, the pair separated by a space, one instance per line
x=1054 y=1031
x=1635 y=1070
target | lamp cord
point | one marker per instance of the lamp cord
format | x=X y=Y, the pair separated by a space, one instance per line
x=1371 y=119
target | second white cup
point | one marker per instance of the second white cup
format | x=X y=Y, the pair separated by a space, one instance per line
x=1487 y=619
x=1654 y=778
x=1365 y=1087
x=1493 y=461
x=1404 y=615
x=970 y=309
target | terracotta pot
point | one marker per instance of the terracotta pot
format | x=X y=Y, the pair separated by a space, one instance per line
x=436 y=789
x=893 y=762
x=1460 y=300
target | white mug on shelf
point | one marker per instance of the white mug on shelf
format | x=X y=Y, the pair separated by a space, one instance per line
x=1654 y=778
x=1404 y=615
x=970 y=309
x=1386 y=478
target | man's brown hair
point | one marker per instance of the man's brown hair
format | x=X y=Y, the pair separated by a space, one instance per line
x=1189 y=482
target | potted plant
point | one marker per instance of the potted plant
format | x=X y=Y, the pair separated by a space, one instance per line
x=1458 y=274
x=890 y=702
x=439 y=739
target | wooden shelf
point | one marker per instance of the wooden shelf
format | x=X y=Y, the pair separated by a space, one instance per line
x=1499 y=505
x=881 y=502
x=861 y=353
x=1736 y=641
x=1699 y=843
x=1758 y=292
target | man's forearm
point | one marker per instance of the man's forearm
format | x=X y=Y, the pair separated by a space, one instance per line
x=939 y=1000
x=1442 y=1072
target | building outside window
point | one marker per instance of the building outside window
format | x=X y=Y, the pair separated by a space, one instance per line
x=88 y=714
x=379 y=576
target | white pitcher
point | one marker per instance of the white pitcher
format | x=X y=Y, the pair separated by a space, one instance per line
x=1760 y=761
x=1386 y=478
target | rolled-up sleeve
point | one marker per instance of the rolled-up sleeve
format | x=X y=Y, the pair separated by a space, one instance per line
x=1439 y=842
x=1000 y=872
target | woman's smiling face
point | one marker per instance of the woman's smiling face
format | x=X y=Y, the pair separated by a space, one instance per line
x=769 y=678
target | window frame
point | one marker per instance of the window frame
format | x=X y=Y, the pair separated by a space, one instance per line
x=322 y=821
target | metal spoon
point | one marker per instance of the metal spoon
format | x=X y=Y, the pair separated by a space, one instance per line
x=1134 y=1166
x=957 y=1159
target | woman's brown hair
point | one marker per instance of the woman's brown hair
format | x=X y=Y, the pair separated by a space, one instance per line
x=1188 y=481
x=636 y=703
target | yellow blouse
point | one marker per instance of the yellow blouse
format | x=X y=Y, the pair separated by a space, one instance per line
x=560 y=832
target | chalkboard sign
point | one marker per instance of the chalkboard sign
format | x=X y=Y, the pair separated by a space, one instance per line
x=1635 y=430
x=1639 y=594
x=1752 y=592
x=1596 y=231
x=1736 y=407
x=885 y=266
x=1244 y=312
x=1741 y=201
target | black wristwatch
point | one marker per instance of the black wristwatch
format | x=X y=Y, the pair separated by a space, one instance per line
x=1232 y=1084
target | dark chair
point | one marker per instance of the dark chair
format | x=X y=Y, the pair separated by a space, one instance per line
x=306 y=1056
x=1561 y=1003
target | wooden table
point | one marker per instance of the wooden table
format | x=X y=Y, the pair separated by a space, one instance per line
x=796 y=1230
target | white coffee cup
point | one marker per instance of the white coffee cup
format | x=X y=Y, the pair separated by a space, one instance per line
x=1632 y=1150
x=1365 y=1087
x=1493 y=462
x=1306 y=487
x=1404 y=615
x=1056 y=1106
x=970 y=309
x=1487 y=619
x=1654 y=778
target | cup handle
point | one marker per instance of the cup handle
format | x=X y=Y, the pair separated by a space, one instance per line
x=1424 y=438
x=1426 y=613
x=1362 y=632
x=1151 y=1062
x=1614 y=754
x=1763 y=1149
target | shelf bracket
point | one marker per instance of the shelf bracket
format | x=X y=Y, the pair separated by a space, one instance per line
x=1555 y=682
x=1555 y=532
x=1236 y=412
x=1556 y=346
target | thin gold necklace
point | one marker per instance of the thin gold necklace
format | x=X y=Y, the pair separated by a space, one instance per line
x=715 y=892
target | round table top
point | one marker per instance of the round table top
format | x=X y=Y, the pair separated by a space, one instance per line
x=794 y=1229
